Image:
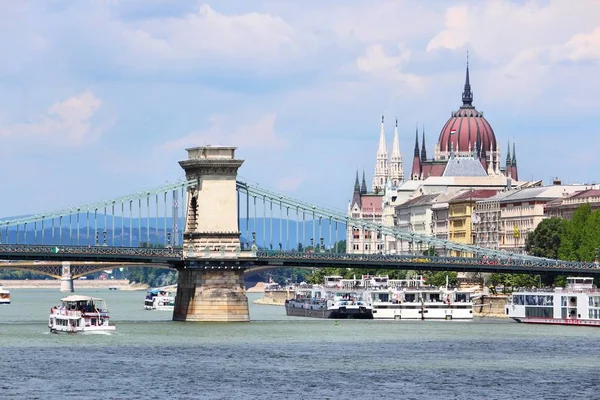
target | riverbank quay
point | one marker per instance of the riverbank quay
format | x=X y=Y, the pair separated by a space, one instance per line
x=120 y=284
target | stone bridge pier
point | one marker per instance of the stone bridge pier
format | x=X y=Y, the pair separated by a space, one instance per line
x=210 y=286
x=66 y=278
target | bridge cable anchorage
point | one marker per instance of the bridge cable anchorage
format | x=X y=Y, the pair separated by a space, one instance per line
x=387 y=230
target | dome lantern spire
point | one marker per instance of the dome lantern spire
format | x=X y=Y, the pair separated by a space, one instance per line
x=467 y=96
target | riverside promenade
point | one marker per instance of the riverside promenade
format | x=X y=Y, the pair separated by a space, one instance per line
x=121 y=284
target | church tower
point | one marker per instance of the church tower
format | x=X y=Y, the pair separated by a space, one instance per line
x=381 y=167
x=396 y=170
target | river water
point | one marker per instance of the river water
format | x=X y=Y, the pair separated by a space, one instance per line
x=280 y=357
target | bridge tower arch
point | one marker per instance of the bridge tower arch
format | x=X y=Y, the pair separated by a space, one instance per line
x=211 y=289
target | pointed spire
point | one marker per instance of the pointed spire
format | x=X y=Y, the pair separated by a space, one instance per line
x=396 y=169
x=417 y=140
x=396 y=144
x=363 y=187
x=508 y=159
x=382 y=149
x=467 y=96
x=514 y=156
x=423 y=150
x=356 y=183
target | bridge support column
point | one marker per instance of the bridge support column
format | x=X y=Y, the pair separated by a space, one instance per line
x=210 y=286
x=66 y=279
x=211 y=295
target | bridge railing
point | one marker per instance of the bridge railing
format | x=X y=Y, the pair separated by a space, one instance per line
x=416 y=260
x=144 y=252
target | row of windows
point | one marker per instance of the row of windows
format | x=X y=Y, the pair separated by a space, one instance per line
x=367 y=246
x=533 y=300
x=594 y=301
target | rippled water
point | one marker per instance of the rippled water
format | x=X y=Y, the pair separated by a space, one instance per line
x=275 y=356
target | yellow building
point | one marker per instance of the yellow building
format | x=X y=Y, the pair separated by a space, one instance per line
x=460 y=211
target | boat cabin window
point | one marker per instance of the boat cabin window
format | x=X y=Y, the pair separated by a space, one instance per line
x=332 y=281
x=462 y=297
x=410 y=297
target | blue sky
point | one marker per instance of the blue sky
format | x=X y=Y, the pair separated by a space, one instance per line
x=100 y=98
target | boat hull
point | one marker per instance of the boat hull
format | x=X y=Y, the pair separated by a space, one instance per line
x=87 y=329
x=328 y=314
x=559 y=321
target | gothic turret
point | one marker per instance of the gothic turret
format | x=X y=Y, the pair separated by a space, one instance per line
x=396 y=169
x=356 y=194
x=363 y=187
x=423 y=149
x=515 y=174
x=381 y=174
x=508 y=170
x=416 y=167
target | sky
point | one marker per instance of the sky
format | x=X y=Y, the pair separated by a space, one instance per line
x=100 y=98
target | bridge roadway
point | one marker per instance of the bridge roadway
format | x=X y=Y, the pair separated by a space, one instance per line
x=275 y=259
x=161 y=257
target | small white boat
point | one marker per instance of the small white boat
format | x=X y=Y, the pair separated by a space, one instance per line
x=4 y=295
x=159 y=299
x=80 y=314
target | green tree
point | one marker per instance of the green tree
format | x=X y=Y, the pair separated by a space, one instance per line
x=573 y=235
x=339 y=247
x=545 y=240
x=438 y=278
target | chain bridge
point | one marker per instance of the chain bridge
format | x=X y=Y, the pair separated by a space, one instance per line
x=212 y=227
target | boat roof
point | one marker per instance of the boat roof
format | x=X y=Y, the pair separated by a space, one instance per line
x=79 y=298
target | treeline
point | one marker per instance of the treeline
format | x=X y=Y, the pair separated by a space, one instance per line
x=577 y=239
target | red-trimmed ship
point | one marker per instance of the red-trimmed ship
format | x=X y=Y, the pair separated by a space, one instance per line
x=576 y=304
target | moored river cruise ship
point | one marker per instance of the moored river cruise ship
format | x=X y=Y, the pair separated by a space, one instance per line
x=80 y=314
x=576 y=304
x=411 y=299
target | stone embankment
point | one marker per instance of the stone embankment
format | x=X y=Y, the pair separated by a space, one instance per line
x=491 y=306
x=276 y=297
x=121 y=284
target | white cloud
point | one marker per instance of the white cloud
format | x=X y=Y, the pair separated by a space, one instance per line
x=377 y=63
x=583 y=47
x=212 y=37
x=455 y=35
x=259 y=134
x=289 y=183
x=66 y=123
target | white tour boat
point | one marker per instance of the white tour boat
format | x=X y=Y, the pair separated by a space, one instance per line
x=80 y=314
x=577 y=304
x=4 y=295
x=159 y=299
x=411 y=299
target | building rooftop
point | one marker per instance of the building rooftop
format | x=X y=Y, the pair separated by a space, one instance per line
x=464 y=166
x=474 y=195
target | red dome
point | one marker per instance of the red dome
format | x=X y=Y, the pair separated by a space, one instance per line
x=464 y=129
x=467 y=127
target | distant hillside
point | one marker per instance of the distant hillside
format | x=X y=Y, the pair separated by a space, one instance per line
x=153 y=231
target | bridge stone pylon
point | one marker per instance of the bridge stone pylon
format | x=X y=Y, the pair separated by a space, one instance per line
x=210 y=284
